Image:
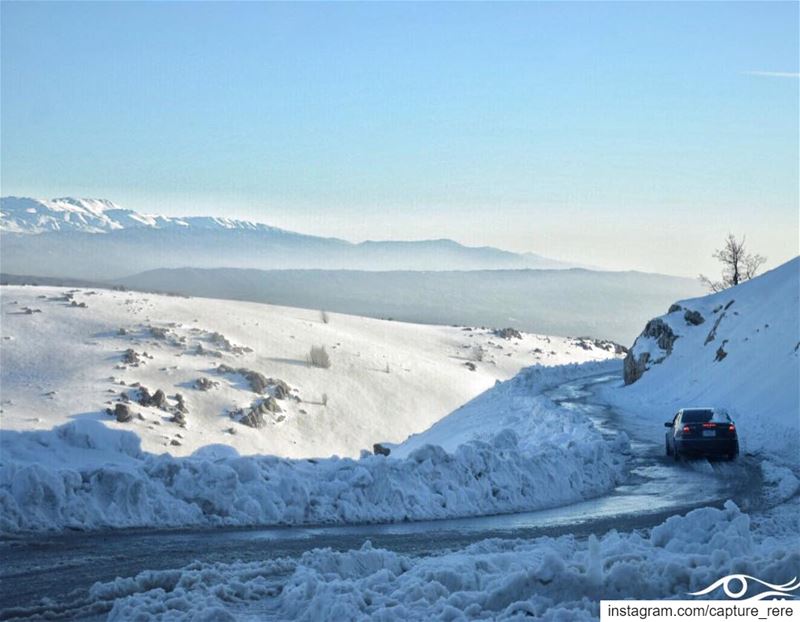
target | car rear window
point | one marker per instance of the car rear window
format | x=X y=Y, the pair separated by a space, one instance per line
x=703 y=415
x=697 y=416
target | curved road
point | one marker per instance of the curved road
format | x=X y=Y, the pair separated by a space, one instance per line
x=62 y=568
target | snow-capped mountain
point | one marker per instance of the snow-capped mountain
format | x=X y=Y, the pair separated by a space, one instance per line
x=26 y=215
x=95 y=238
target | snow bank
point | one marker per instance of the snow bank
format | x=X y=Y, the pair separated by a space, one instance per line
x=517 y=404
x=537 y=456
x=743 y=356
x=550 y=579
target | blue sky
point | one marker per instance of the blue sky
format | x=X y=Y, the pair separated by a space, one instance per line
x=618 y=134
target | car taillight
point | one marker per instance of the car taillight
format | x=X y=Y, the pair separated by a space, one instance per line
x=686 y=429
x=732 y=428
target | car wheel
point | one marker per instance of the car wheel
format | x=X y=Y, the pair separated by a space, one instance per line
x=676 y=454
x=667 y=448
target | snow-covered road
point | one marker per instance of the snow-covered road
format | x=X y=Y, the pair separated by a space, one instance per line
x=62 y=568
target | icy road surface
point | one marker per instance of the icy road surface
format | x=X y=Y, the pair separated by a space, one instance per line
x=53 y=573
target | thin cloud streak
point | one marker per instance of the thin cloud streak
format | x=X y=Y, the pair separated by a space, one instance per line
x=774 y=74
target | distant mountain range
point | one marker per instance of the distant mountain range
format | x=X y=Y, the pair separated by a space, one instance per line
x=81 y=241
x=575 y=302
x=95 y=238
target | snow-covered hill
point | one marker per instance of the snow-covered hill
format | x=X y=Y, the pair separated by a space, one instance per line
x=738 y=349
x=62 y=361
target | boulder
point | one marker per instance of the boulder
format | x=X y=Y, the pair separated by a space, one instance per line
x=123 y=413
x=159 y=400
x=694 y=318
x=181 y=405
x=130 y=357
x=380 y=450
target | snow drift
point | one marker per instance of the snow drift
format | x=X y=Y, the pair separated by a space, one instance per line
x=83 y=475
x=550 y=579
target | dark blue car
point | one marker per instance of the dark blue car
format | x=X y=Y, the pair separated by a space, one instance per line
x=702 y=432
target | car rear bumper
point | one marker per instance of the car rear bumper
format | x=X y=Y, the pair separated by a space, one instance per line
x=708 y=446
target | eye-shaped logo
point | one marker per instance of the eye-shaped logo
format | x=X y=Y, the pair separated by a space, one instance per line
x=730 y=584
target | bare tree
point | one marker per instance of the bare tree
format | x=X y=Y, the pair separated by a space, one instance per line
x=737 y=264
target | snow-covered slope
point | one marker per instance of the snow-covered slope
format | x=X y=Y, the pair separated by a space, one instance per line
x=387 y=379
x=738 y=349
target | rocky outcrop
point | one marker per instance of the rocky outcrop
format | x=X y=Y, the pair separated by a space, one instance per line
x=636 y=363
x=659 y=330
x=587 y=343
x=507 y=333
x=635 y=366
x=205 y=384
x=130 y=357
x=258 y=382
x=712 y=334
x=253 y=416
x=253 y=420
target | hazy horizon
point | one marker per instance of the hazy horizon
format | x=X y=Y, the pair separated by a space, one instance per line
x=627 y=137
